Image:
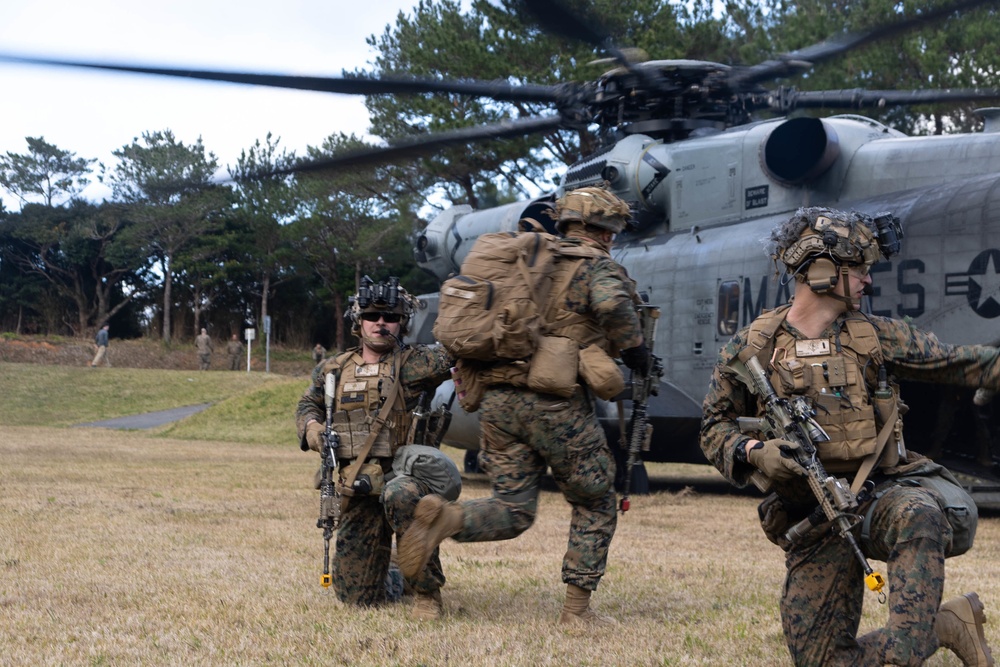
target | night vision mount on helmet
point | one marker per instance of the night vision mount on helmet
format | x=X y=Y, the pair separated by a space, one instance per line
x=831 y=242
x=383 y=297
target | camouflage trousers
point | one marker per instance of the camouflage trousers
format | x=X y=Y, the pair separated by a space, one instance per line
x=824 y=589
x=204 y=361
x=361 y=565
x=523 y=433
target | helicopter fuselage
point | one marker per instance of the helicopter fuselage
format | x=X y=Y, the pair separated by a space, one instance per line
x=706 y=205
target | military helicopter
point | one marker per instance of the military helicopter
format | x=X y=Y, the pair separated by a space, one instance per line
x=707 y=181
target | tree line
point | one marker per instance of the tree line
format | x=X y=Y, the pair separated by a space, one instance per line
x=171 y=251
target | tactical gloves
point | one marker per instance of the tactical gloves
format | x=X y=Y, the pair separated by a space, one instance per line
x=776 y=459
x=637 y=358
x=314 y=435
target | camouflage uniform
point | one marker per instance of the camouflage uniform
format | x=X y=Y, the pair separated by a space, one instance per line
x=234 y=349
x=367 y=524
x=523 y=432
x=203 y=343
x=822 y=599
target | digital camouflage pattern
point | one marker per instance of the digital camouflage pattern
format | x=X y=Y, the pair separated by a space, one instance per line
x=362 y=570
x=822 y=600
x=603 y=291
x=362 y=574
x=821 y=608
x=523 y=432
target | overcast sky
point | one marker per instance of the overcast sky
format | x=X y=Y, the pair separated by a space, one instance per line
x=93 y=114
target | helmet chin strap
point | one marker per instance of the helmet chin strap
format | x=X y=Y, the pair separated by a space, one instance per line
x=845 y=284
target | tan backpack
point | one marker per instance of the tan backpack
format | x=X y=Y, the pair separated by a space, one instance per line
x=494 y=310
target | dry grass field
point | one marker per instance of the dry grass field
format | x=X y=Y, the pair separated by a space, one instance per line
x=195 y=544
x=121 y=548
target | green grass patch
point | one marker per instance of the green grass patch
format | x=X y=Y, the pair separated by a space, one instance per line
x=65 y=395
x=265 y=415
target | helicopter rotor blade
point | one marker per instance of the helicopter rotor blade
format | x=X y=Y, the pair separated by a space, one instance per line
x=799 y=61
x=557 y=19
x=860 y=98
x=424 y=144
x=498 y=90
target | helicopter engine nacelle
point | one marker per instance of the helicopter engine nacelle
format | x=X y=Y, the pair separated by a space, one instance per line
x=447 y=239
x=637 y=169
x=799 y=151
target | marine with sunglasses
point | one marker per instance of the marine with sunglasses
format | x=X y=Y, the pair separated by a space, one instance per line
x=378 y=385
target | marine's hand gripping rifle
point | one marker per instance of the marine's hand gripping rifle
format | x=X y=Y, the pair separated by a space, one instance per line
x=329 y=500
x=643 y=386
x=792 y=420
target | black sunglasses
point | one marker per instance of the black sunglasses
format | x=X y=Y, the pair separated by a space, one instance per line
x=388 y=318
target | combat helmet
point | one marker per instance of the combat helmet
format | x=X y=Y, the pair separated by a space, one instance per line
x=819 y=245
x=385 y=297
x=593 y=206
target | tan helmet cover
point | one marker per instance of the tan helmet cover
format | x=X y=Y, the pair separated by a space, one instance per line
x=834 y=239
x=592 y=206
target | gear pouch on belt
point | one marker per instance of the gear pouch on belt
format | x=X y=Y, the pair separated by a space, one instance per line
x=369 y=482
x=554 y=366
x=774 y=520
x=601 y=373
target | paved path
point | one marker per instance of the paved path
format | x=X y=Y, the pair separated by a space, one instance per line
x=150 y=419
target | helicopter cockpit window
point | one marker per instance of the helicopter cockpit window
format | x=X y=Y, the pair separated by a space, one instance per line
x=729 y=307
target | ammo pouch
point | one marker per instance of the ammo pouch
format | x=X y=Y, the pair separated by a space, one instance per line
x=601 y=373
x=554 y=366
x=369 y=482
x=469 y=386
x=430 y=466
x=958 y=506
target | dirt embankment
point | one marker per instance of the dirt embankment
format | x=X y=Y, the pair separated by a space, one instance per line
x=144 y=353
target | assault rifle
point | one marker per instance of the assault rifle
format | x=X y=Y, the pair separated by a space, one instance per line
x=329 y=500
x=643 y=386
x=793 y=420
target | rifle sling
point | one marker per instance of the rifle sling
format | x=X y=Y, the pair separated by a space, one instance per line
x=868 y=464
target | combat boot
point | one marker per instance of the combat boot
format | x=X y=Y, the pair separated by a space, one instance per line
x=427 y=606
x=576 y=608
x=959 y=627
x=434 y=519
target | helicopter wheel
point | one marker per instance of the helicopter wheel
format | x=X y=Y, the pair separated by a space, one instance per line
x=471 y=462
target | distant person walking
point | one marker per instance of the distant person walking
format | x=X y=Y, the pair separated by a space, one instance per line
x=205 y=347
x=101 y=342
x=319 y=353
x=234 y=348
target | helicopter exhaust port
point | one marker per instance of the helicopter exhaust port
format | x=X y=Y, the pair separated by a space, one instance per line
x=799 y=150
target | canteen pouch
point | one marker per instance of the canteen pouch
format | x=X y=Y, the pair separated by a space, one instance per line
x=368 y=471
x=601 y=373
x=468 y=385
x=554 y=366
